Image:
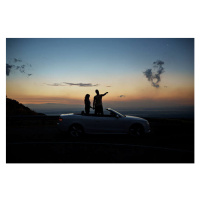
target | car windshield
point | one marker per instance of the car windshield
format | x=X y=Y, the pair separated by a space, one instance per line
x=116 y=113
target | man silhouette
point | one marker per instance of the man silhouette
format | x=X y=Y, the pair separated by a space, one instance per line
x=97 y=103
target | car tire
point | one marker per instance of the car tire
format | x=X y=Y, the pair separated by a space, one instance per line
x=136 y=130
x=76 y=130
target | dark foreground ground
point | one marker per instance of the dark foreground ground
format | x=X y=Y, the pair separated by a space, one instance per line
x=37 y=140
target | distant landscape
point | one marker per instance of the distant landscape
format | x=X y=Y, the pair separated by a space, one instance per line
x=158 y=112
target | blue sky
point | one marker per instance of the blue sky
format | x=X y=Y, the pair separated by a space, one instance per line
x=115 y=62
x=112 y=52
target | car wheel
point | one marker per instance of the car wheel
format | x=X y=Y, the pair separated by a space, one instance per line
x=76 y=130
x=136 y=130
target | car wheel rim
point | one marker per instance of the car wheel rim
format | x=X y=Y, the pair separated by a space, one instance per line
x=137 y=131
x=131 y=131
x=76 y=131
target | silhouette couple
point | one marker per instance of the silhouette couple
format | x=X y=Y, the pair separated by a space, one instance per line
x=97 y=103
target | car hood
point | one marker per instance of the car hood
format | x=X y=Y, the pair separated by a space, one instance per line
x=135 y=118
x=63 y=115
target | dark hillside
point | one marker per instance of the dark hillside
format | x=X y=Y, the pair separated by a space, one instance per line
x=13 y=107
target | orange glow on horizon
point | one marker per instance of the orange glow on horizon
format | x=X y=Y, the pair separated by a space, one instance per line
x=122 y=93
x=185 y=97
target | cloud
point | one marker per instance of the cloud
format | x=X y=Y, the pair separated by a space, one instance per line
x=72 y=84
x=153 y=75
x=158 y=63
x=122 y=96
x=81 y=84
x=8 y=69
x=21 y=68
x=54 y=84
x=17 y=60
x=15 y=65
x=108 y=86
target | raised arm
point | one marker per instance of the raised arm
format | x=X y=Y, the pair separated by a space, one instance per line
x=104 y=94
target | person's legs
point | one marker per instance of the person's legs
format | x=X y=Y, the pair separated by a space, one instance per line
x=87 y=111
x=101 y=109
x=97 y=110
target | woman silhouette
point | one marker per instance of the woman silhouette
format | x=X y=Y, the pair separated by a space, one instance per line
x=87 y=104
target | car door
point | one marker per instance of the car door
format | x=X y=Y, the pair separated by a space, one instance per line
x=109 y=124
x=90 y=123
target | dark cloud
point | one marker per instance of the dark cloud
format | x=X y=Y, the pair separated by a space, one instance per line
x=72 y=84
x=15 y=65
x=17 y=60
x=148 y=73
x=158 y=63
x=122 y=96
x=153 y=75
x=81 y=84
x=21 y=68
x=8 y=69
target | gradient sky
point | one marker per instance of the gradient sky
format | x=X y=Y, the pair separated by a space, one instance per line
x=64 y=70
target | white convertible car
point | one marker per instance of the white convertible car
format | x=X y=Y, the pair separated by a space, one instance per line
x=110 y=123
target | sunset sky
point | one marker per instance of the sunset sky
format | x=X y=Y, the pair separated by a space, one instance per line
x=63 y=71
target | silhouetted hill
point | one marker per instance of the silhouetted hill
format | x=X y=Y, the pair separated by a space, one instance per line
x=13 y=107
